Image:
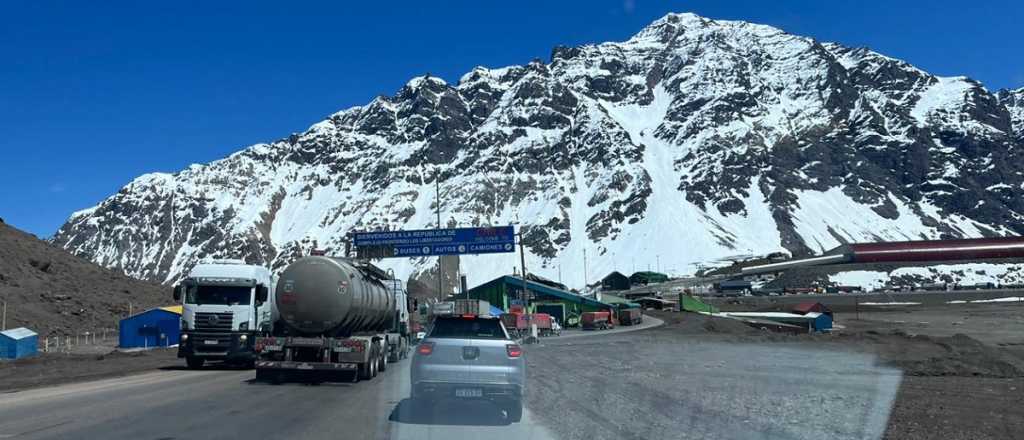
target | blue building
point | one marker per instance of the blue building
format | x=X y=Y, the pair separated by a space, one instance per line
x=159 y=327
x=18 y=343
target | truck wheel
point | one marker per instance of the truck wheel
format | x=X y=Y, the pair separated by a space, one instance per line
x=271 y=377
x=364 y=372
x=374 y=367
x=514 y=411
x=194 y=363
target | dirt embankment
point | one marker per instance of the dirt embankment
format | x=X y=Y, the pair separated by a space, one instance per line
x=56 y=293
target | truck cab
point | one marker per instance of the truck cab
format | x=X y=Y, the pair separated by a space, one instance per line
x=225 y=305
x=399 y=335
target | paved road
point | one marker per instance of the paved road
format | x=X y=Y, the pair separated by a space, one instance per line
x=227 y=404
x=179 y=403
x=615 y=385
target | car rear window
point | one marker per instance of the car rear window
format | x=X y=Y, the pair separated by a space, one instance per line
x=467 y=328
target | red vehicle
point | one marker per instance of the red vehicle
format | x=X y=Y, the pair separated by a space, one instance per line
x=515 y=323
x=543 y=322
x=596 y=320
x=630 y=316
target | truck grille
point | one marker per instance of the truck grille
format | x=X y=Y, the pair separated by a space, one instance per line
x=213 y=322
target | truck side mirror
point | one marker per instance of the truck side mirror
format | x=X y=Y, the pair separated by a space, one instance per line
x=177 y=292
x=261 y=293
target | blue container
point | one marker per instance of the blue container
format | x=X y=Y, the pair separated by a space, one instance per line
x=152 y=328
x=18 y=343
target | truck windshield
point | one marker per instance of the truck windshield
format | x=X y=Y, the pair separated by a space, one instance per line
x=220 y=295
x=467 y=328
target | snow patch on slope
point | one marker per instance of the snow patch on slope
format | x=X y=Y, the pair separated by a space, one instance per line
x=826 y=217
x=948 y=93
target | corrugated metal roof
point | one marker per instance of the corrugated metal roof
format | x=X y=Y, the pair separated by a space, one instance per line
x=805 y=307
x=769 y=315
x=612 y=299
x=18 y=333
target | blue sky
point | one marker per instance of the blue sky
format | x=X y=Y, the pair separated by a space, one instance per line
x=95 y=93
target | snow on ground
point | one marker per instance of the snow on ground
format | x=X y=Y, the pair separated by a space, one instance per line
x=964 y=274
x=866 y=279
x=994 y=300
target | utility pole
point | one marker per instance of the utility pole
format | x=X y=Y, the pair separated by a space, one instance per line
x=658 y=258
x=437 y=202
x=522 y=263
x=585 y=279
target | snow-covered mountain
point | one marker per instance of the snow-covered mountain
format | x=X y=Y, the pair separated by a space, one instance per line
x=693 y=140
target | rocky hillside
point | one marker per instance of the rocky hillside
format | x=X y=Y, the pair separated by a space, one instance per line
x=695 y=139
x=53 y=292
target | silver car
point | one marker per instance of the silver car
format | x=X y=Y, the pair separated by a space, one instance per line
x=469 y=357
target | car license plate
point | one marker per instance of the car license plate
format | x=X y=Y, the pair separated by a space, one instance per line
x=211 y=342
x=469 y=392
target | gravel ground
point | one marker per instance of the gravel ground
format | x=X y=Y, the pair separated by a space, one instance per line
x=700 y=377
x=57 y=368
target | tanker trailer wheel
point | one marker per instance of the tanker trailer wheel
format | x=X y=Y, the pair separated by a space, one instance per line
x=375 y=367
x=384 y=362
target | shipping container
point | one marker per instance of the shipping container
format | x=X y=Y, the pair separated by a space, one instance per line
x=472 y=307
x=442 y=308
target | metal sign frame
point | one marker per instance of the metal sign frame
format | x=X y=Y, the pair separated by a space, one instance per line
x=434 y=242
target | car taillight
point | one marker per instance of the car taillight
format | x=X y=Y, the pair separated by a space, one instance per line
x=514 y=350
x=469 y=316
x=425 y=348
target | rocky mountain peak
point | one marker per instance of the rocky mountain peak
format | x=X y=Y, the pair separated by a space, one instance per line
x=694 y=140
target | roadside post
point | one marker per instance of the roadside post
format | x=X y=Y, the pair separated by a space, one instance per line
x=522 y=262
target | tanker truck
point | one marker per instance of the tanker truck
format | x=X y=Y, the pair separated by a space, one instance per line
x=338 y=321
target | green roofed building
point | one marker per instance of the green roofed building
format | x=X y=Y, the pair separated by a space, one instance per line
x=646 y=277
x=564 y=305
x=618 y=301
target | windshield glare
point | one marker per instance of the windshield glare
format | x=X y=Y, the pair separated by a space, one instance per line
x=219 y=295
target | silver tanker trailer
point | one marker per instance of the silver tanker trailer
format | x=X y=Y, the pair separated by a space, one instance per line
x=340 y=319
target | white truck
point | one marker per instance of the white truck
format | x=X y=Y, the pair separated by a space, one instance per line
x=399 y=335
x=226 y=304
